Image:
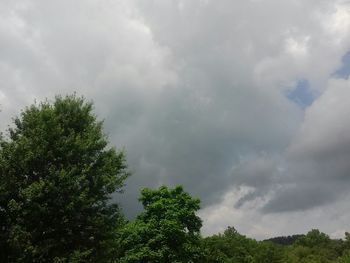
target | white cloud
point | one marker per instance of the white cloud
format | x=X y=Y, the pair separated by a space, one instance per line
x=249 y=221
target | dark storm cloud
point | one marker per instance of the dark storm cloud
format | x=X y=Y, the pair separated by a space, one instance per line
x=301 y=197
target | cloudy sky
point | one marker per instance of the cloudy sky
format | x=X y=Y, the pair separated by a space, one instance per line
x=245 y=103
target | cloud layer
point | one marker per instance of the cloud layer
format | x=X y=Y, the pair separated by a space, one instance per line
x=199 y=93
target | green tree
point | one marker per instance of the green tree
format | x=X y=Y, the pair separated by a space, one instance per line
x=167 y=230
x=314 y=238
x=232 y=247
x=345 y=258
x=316 y=247
x=347 y=241
x=56 y=177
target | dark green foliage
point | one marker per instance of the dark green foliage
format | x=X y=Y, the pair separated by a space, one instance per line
x=284 y=240
x=56 y=177
x=167 y=230
x=347 y=241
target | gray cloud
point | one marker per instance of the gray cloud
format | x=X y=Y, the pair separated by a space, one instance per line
x=195 y=91
x=319 y=155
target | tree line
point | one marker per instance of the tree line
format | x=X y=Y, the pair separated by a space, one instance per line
x=57 y=174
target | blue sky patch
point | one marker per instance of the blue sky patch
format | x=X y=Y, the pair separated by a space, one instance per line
x=301 y=94
x=344 y=70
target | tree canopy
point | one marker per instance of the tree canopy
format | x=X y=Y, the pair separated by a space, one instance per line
x=56 y=177
x=167 y=231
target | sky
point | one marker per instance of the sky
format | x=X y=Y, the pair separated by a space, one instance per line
x=245 y=103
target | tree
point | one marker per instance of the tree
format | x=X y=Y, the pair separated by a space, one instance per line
x=167 y=230
x=345 y=258
x=56 y=178
x=347 y=241
x=315 y=246
x=314 y=238
x=232 y=247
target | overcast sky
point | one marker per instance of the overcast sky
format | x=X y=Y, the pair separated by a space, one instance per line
x=246 y=103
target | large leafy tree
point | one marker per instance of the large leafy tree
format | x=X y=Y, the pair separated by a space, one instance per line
x=167 y=230
x=56 y=177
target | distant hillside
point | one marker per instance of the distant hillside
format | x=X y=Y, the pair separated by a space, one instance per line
x=284 y=240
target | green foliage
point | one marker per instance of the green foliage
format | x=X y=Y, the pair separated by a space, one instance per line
x=284 y=240
x=314 y=238
x=232 y=247
x=347 y=241
x=167 y=230
x=56 y=177
x=316 y=247
x=345 y=258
